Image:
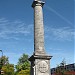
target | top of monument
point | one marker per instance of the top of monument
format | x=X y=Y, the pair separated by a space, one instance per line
x=39 y=0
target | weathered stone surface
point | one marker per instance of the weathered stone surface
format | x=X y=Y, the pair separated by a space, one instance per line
x=40 y=61
x=40 y=65
x=38 y=30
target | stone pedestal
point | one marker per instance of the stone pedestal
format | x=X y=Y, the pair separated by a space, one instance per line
x=40 y=61
x=40 y=65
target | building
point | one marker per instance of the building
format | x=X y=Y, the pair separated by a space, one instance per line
x=70 y=69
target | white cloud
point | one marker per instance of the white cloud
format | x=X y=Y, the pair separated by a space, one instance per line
x=13 y=29
x=63 y=34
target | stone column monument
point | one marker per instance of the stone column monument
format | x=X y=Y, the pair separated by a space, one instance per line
x=40 y=61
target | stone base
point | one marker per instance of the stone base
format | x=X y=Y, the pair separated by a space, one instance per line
x=40 y=65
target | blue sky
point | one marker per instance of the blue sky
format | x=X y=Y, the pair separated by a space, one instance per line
x=16 y=29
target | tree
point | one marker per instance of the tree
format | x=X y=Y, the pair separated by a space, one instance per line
x=8 y=69
x=23 y=59
x=23 y=66
x=60 y=70
x=5 y=66
x=3 y=60
x=63 y=63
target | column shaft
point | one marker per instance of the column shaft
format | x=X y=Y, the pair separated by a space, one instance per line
x=38 y=29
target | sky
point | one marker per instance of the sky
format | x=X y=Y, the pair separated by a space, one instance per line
x=17 y=34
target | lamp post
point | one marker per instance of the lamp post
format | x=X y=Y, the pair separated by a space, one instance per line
x=1 y=64
x=1 y=57
x=1 y=60
x=2 y=52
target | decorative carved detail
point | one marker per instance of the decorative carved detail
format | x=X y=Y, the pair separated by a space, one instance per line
x=42 y=66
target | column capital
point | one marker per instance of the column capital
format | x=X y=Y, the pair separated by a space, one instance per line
x=37 y=3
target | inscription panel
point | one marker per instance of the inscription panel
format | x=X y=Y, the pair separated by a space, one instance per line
x=42 y=66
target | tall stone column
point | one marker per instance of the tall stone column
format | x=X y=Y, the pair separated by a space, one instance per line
x=40 y=61
x=38 y=28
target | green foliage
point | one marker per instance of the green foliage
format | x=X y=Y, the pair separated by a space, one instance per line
x=23 y=59
x=3 y=60
x=8 y=69
x=23 y=72
x=63 y=63
x=61 y=68
x=23 y=66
